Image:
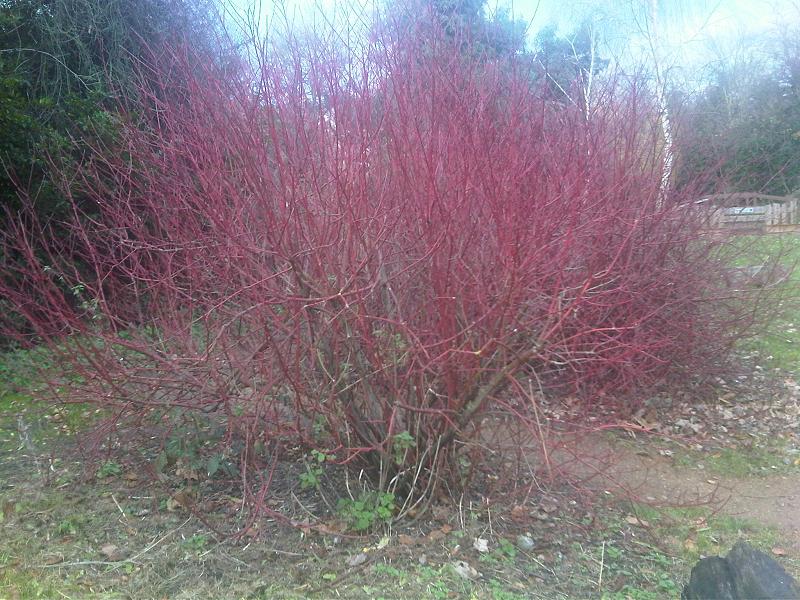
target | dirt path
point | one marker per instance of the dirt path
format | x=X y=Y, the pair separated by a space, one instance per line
x=772 y=500
x=640 y=472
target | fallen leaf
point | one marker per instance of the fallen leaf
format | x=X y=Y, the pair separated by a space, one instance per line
x=690 y=545
x=480 y=544
x=519 y=513
x=446 y=528
x=634 y=520
x=358 y=559
x=436 y=534
x=53 y=559
x=464 y=569
x=779 y=551
x=406 y=540
x=179 y=500
x=111 y=552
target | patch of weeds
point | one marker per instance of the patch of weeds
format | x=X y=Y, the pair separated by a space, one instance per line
x=190 y=449
x=504 y=552
x=196 y=544
x=757 y=460
x=20 y=369
x=109 y=469
x=499 y=592
x=696 y=532
x=507 y=548
x=435 y=582
x=400 y=577
x=401 y=443
x=629 y=592
x=312 y=476
x=68 y=526
x=368 y=510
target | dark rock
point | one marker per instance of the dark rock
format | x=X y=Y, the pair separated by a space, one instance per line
x=711 y=578
x=745 y=574
x=757 y=575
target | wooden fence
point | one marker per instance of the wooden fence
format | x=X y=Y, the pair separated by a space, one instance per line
x=751 y=212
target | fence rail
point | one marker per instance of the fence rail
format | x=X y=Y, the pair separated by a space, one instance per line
x=753 y=212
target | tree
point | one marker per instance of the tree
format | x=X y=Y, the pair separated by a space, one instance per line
x=569 y=63
x=467 y=23
x=745 y=122
x=65 y=66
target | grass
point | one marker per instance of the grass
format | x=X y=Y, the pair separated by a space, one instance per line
x=779 y=347
x=694 y=532
x=756 y=460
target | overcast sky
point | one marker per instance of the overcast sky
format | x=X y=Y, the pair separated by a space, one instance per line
x=690 y=33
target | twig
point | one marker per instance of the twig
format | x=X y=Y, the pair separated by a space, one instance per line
x=602 y=563
x=122 y=512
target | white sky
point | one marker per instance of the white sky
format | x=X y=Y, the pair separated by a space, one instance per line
x=691 y=33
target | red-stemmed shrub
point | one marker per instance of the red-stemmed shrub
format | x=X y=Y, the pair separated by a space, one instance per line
x=363 y=249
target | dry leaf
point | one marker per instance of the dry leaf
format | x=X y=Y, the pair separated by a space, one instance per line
x=519 y=513
x=779 y=551
x=446 y=528
x=406 y=540
x=436 y=534
x=634 y=520
x=111 y=552
x=464 y=569
x=690 y=545
x=480 y=544
x=179 y=500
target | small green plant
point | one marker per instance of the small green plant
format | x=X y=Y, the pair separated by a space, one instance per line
x=188 y=447
x=401 y=443
x=500 y=593
x=508 y=549
x=313 y=474
x=196 y=544
x=109 y=469
x=389 y=571
x=67 y=526
x=369 y=510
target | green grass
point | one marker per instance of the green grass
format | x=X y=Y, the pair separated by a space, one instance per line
x=695 y=532
x=779 y=346
x=760 y=459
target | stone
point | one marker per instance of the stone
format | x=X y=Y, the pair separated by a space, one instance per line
x=710 y=578
x=744 y=574
x=525 y=542
x=757 y=575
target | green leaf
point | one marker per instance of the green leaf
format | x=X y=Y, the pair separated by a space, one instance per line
x=214 y=464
